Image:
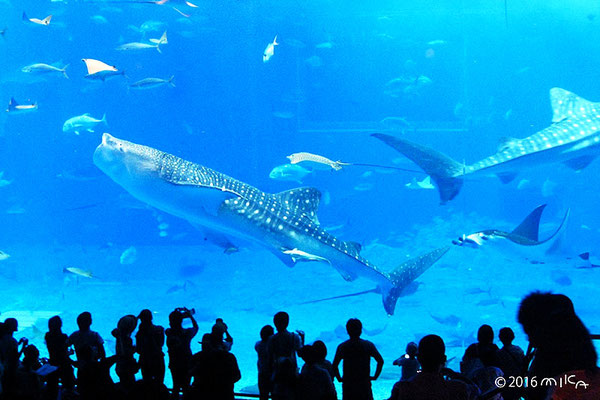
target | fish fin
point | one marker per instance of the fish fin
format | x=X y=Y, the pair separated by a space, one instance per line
x=559 y=235
x=46 y=20
x=104 y=119
x=507 y=177
x=158 y=48
x=406 y=273
x=529 y=228
x=506 y=143
x=275 y=41
x=357 y=246
x=185 y=15
x=171 y=80
x=163 y=38
x=64 y=71
x=285 y=258
x=566 y=104
x=24 y=17
x=579 y=163
x=305 y=199
x=445 y=172
x=13 y=102
x=191 y=4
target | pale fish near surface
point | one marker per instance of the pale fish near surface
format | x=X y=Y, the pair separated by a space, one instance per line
x=78 y=272
x=41 y=68
x=270 y=50
x=129 y=256
x=149 y=83
x=4 y=256
x=289 y=172
x=82 y=122
x=16 y=108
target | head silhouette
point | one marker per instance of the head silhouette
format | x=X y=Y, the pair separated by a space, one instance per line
x=506 y=336
x=320 y=350
x=84 y=321
x=354 y=328
x=145 y=316
x=411 y=349
x=175 y=319
x=431 y=353
x=11 y=325
x=485 y=334
x=266 y=332
x=281 y=321
x=54 y=324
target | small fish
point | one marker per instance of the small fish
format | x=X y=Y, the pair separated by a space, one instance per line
x=424 y=184
x=129 y=256
x=37 y=21
x=315 y=161
x=82 y=122
x=177 y=288
x=149 y=83
x=364 y=187
x=99 y=70
x=148 y=26
x=230 y=250
x=450 y=320
x=14 y=107
x=162 y=40
x=4 y=256
x=299 y=255
x=270 y=50
x=3 y=182
x=289 y=172
x=437 y=43
x=98 y=19
x=177 y=2
x=78 y=272
x=138 y=46
x=41 y=68
x=325 y=45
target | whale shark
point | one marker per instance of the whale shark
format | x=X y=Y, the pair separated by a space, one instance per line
x=524 y=239
x=572 y=139
x=286 y=223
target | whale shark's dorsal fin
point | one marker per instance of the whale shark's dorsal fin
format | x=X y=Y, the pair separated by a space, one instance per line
x=530 y=226
x=566 y=104
x=305 y=200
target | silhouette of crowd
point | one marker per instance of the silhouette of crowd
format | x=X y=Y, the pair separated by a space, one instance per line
x=560 y=362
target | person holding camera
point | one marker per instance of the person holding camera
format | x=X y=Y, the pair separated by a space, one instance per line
x=179 y=349
x=10 y=354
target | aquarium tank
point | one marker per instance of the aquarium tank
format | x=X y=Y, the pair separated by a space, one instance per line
x=387 y=161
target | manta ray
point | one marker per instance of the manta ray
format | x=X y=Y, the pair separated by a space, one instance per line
x=572 y=139
x=523 y=239
x=286 y=223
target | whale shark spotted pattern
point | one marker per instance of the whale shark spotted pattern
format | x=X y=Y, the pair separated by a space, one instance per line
x=281 y=222
x=573 y=139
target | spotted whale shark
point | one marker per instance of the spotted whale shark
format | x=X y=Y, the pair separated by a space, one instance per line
x=286 y=223
x=572 y=139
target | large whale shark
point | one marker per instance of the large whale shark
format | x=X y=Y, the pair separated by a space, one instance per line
x=286 y=223
x=573 y=139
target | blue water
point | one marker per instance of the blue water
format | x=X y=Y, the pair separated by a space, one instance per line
x=489 y=79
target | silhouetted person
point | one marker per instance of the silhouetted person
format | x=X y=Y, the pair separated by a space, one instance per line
x=86 y=337
x=314 y=382
x=10 y=354
x=58 y=351
x=511 y=360
x=149 y=342
x=264 y=369
x=180 y=351
x=561 y=344
x=408 y=362
x=281 y=349
x=430 y=383
x=320 y=351
x=28 y=382
x=126 y=365
x=215 y=372
x=480 y=354
x=356 y=354
x=220 y=336
x=93 y=375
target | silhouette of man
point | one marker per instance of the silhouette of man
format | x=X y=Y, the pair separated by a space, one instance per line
x=180 y=352
x=149 y=342
x=356 y=354
x=430 y=383
x=86 y=337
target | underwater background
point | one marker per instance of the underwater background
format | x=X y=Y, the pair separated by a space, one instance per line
x=456 y=76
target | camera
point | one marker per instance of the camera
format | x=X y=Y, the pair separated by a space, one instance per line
x=185 y=311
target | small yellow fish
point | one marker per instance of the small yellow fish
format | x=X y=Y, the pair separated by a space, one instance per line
x=315 y=161
x=78 y=271
x=299 y=255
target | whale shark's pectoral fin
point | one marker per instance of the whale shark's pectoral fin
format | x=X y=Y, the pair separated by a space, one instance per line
x=347 y=276
x=216 y=238
x=579 y=163
x=507 y=177
x=304 y=200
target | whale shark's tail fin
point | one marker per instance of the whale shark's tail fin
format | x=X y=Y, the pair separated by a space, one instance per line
x=445 y=172
x=406 y=273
